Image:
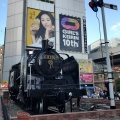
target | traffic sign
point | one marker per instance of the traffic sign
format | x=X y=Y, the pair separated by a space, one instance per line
x=111 y=6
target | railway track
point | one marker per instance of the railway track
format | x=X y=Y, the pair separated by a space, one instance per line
x=14 y=107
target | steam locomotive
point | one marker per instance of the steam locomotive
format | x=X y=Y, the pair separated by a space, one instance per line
x=43 y=78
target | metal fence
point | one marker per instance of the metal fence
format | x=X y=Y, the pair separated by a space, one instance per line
x=5 y=111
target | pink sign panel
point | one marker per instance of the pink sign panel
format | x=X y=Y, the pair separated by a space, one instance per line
x=86 y=77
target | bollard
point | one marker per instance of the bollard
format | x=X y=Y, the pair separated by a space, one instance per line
x=23 y=116
x=5 y=102
x=5 y=97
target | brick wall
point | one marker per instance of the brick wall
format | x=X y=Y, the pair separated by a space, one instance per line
x=96 y=115
x=101 y=101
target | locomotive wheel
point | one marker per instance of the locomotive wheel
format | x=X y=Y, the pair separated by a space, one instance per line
x=35 y=106
x=41 y=107
x=62 y=108
x=14 y=98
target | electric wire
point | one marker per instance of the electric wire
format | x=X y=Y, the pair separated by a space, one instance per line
x=101 y=47
x=100 y=41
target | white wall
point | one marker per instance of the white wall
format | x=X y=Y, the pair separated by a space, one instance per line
x=40 y=5
x=13 y=39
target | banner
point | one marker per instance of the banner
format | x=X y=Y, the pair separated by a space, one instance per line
x=40 y=25
x=85 y=34
x=86 y=77
x=3 y=84
x=85 y=66
x=70 y=33
x=100 y=77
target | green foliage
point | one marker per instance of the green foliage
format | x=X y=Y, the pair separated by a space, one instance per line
x=117 y=82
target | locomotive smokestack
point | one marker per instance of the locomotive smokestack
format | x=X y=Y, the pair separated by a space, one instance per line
x=44 y=44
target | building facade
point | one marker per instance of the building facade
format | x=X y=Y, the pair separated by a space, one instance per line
x=98 y=54
x=1 y=61
x=70 y=40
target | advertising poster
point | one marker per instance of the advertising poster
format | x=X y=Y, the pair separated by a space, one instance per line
x=85 y=66
x=3 y=84
x=70 y=33
x=100 y=77
x=40 y=25
x=86 y=77
x=97 y=68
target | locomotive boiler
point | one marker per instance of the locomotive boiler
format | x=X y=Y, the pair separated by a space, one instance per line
x=43 y=78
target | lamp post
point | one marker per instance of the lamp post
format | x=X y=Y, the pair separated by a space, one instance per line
x=99 y=3
x=112 y=101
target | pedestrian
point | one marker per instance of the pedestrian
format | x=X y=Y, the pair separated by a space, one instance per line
x=115 y=95
x=93 y=95
x=101 y=94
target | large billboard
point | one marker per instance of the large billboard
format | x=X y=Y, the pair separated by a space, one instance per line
x=70 y=33
x=86 y=71
x=85 y=66
x=40 y=25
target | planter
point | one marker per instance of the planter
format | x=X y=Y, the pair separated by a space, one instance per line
x=23 y=116
x=5 y=101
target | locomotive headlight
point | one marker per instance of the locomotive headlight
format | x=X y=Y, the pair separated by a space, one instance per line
x=30 y=52
x=70 y=94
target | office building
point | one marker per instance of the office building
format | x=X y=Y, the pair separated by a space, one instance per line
x=21 y=13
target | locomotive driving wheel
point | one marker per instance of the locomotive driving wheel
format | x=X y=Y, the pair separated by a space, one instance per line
x=61 y=108
x=41 y=106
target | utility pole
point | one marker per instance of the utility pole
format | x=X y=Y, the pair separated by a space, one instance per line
x=93 y=4
x=112 y=101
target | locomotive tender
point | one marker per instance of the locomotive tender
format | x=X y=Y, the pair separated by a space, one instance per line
x=43 y=78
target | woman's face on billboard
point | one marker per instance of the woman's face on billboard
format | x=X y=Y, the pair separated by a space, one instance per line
x=46 y=21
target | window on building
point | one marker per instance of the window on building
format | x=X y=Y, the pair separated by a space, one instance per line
x=49 y=1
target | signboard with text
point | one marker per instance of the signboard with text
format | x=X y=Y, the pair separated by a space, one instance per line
x=85 y=34
x=70 y=33
x=86 y=77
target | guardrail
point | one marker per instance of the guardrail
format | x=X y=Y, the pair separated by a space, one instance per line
x=5 y=111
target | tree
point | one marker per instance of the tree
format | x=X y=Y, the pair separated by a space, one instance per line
x=117 y=82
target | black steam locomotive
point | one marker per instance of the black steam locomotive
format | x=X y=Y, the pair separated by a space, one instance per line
x=43 y=78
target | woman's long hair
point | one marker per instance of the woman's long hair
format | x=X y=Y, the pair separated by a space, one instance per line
x=41 y=31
